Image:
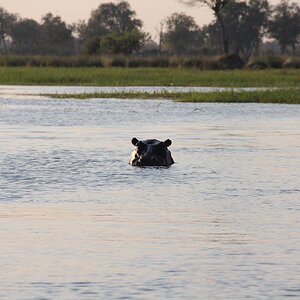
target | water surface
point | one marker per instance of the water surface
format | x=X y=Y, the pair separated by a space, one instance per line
x=77 y=222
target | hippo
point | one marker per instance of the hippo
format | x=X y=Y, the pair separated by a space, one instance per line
x=151 y=153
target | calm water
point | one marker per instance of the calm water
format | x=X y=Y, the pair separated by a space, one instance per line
x=77 y=222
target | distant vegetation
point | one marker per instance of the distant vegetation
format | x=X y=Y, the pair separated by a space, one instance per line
x=240 y=28
x=287 y=96
x=220 y=62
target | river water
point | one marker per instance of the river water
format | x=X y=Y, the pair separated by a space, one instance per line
x=78 y=222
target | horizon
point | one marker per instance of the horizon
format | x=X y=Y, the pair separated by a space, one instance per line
x=147 y=12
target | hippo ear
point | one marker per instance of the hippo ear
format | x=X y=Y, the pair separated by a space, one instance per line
x=134 y=141
x=168 y=142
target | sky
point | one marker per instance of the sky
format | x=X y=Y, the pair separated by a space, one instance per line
x=151 y=12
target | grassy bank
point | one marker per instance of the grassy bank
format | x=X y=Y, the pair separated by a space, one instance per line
x=149 y=77
x=288 y=96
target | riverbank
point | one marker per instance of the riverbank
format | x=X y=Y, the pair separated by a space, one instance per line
x=287 y=96
x=148 y=77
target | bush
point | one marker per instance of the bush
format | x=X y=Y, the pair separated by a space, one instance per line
x=136 y=62
x=275 y=62
x=192 y=62
x=257 y=65
x=159 y=62
x=203 y=63
x=292 y=62
x=13 y=61
x=116 y=62
x=231 y=61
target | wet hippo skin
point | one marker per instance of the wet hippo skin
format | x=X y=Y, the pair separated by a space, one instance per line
x=151 y=153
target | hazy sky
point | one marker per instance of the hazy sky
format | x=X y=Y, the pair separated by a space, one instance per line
x=150 y=11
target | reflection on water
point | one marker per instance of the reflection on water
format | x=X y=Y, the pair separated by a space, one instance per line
x=78 y=222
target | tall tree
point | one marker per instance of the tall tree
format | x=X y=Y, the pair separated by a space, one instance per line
x=216 y=6
x=160 y=34
x=109 y=18
x=182 y=34
x=6 y=23
x=284 y=25
x=26 y=36
x=56 y=37
x=126 y=43
x=245 y=24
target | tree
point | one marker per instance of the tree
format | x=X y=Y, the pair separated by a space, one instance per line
x=109 y=18
x=216 y=6
x=26 y=36
x=284 y=25
x=160 y=34
x=6 y=22
x=182 y=34
x=254 y=26
x=245 y=24
x=212 y=37
x=126 y=43
x=56 y=38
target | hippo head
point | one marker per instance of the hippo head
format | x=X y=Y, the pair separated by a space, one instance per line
x=151 y=153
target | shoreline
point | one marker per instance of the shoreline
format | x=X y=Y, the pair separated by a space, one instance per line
x=177 y=94
x=283 y=96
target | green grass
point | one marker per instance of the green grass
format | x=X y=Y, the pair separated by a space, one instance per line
x=288 y=96
x=148 y=77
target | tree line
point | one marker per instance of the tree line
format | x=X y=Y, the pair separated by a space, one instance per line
x=238 y=28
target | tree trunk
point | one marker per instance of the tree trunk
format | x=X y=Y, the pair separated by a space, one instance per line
x=4 y=43
x=223 y=32
x=283 y=48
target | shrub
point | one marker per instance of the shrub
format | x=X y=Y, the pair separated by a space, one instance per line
x=116 y=62
x=292 y=62
x=13 y=61
x=136 y=62
x=231 y=61
x=160 y=62
x=192 y=62
x=257 y=64
x=275 y=62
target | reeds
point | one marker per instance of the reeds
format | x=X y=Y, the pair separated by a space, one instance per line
x=283 y=96
x=183 y=62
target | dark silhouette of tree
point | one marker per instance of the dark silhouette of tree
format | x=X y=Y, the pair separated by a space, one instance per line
x=212 y=37
x=56 y=37
x=7 y=21
x=245 y=23
x=109 y=18
x=216 y=6
x=160 y=34
x=126 y=43
x=26 y=35
x=182 y=34
x=253 y=26
x=92 y=46
x=284 y=25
